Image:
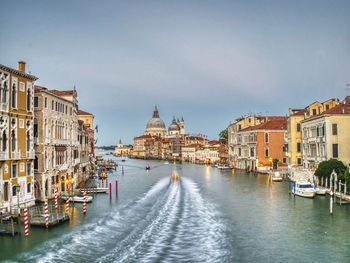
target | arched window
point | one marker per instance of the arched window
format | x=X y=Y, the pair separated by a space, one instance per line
x=28 y=99
x=13 y=140
x=28 y=141
x=36 y=163
x=14 y=95
x=4 y=141
x=266 y=137
x=29 y=187
x=14 y=190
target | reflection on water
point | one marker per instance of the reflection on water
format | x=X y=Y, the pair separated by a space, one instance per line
x=206 y=215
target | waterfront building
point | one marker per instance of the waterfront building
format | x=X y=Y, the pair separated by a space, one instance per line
x=83 y=170
x=255 y=145
x=88 y=120
x=140 y=146
x=238 y=125
x=56 y=142
x=195 y=139
x=208 y=153
x=16 y=137
x=189 y=152
x=121 y=150
x=294 y=140
x=326 y=135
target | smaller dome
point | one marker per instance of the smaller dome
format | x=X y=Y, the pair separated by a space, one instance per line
x=174 y=126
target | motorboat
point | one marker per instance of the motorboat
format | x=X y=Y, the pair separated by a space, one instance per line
x=320 y=191
x=277 y=177
x=223 y=167
x=148 y=167
x=94 y=189
x=304 y=189
x=79 y=198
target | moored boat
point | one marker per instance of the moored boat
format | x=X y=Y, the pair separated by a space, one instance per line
x=276 y=177
x=304 y=189
x=79 y=198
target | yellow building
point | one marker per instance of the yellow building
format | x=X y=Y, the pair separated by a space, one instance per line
x=16 y=133
x=294 y=139
x=87 y=118
x=326 y=136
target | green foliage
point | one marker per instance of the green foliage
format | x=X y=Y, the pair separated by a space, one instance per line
x=347 y=175
x=325 y=168
x=223 y=136
x=275 y=163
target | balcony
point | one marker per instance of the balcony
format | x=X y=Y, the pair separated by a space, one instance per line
x=30 y=155
x=4 y=156
x=16 y=155
x=4 y=106
x=60 y=141
x=76 y=161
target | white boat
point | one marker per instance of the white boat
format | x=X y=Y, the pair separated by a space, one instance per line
x=78 y=198
x=94 y=189
x=304 y=189
x=223 y=167
x=276 y=177
x=320 y=191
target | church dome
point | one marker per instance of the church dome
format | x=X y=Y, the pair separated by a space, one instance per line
x=155 y=122
x=174 y=126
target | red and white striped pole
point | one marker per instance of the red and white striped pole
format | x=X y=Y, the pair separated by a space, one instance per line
x=26 y=222
x=67 y=205
x=46 y=215
x=56 y=205
x=84 y=204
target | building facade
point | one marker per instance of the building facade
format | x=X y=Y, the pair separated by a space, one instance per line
x=16 y=137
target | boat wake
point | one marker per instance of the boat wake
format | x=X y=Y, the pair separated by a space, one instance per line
x=169 y=223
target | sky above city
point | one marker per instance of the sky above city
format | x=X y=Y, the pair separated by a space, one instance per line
x=209 y=62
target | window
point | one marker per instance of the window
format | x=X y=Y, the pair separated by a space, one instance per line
x=267 y=152
x=335 y=150
x=52 y=105
x=6 y=191
x=28 y=141
x=45 y=103
x=14 y=190
x=298 y=127
x=14 y=93
x=334 y=129
x=299 y=161
x=327 y=107
x=298 y=147
x=4 y=141
x=35 y=130
x=29 y=169
x=36 y=102
x=239 y=151
x=13 y=140
x=314 y=112
x=36 y=163
x=14 y=170
x=318 y=131
x=266 y=137
x=28 y=187
x=252 y=152
x=29 y=100
x=239 y=127
x=284 y=160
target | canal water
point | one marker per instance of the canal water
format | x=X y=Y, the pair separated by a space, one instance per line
x=206 y=216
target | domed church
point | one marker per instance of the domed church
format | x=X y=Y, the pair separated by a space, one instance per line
x=155 y=126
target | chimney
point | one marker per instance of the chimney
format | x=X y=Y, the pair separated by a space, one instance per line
x=22 y=66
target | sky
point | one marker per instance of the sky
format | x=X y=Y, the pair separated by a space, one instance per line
x=209 y=62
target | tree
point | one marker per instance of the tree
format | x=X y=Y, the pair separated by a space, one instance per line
x=223 y=136
x=325 y=168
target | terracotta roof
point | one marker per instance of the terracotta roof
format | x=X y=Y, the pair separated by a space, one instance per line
x=274 y=124
x=62 y=92
x=17 y=72
x=192 y=145
x=298 y=112
x=214 y=142
x=339 y=109
x=39 y=88
x=81 y=112
x=143 y=137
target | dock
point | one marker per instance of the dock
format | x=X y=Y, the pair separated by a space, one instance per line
x=55 y=217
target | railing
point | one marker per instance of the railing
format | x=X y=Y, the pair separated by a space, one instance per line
x=31 y=155
x=4 y=156
x=76 y=161
x=3 y=106
x=16 y=155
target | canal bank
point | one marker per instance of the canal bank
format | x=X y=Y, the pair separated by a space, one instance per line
x=207 y=216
